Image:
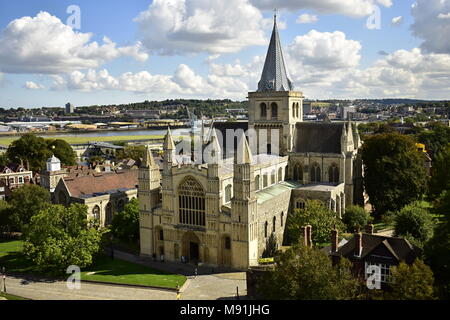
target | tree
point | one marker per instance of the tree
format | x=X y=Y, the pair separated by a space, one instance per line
x=437 y=250
x=355 y=216
x=411 y=282
x=395 y=174
x=322 y=220
x=30 y=150
x=271 y=247
x=415 y=221
x=63 y=151
x=132 y=152
x=125 y=224
x=303 y=273
x=25 y=202
x=5 y=217
x=440 y=177
x=59 y=237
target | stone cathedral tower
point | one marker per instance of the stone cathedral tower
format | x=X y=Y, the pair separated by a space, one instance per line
x=148 y=193
x=275 y=107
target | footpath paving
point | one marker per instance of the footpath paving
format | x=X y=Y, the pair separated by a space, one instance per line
x=204 y=286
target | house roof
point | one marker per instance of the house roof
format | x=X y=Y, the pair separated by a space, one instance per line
x=399 y=248
x=101 y=183
x=321 y=137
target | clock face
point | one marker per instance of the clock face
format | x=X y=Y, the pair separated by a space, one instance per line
x=269 y=85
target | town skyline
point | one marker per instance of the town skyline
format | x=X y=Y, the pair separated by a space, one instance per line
x=168 y=50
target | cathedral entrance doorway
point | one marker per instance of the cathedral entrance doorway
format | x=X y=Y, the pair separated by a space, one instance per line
x=191 y=247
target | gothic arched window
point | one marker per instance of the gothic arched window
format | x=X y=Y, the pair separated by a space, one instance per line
x=266 y=225
x=263 y=110
x=333 y=173
x=228 y=192
x=282 y=218
x=274 y=110
x=191 y=201
x=96 y=213
x=315 y=173
x=293 y=110
x=274 y=224
x=300 y=204
x=109 y=214
x=298 y=172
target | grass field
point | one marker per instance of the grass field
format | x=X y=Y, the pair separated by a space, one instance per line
x=119 y=271
x=11 y=297
x=73 y=139
x=104 y=269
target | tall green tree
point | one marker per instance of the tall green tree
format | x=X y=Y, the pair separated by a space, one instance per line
x=132 y=152
x=30 y=150
x=440 y=173
x=322 y=220
x=303 y=273
x=411 y=282
x=395 y=174
x=5 y=216
x=25 y=202
x=125 y=224
x=63 y=151
x=437 y=250
x=59 y=237
x=415 y=221
x=355 y=216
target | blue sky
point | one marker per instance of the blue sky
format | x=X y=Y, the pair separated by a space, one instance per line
x=187 y=49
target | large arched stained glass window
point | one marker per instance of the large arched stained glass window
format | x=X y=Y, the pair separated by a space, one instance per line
x=191 y=198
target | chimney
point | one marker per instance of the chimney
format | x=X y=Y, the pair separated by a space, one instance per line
x=369 y=229
x=334 y=240
x=358 y=244
x=309 y=235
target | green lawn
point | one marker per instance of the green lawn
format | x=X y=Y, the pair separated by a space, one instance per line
x=119 y=271
x=104 y=269
x=11 y=297
x=72 y=139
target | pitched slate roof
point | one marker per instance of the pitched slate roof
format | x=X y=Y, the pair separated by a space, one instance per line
x=319 y=137
x=101 y=183
x=399 y=248
x=274 y=76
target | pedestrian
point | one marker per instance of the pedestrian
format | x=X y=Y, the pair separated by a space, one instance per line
x=154 y=257
x=195 y=273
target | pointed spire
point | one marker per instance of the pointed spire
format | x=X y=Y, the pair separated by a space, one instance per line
x=274 y=76
x=243 y=152
x=168 y=141
x=148 y=160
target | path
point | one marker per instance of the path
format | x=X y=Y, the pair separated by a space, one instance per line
x=203 y=287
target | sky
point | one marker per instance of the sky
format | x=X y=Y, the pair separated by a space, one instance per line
x=116 y=51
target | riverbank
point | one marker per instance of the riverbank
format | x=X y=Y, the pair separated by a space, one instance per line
x=73 y=139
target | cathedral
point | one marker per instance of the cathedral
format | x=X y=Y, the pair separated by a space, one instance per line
x=222 y=210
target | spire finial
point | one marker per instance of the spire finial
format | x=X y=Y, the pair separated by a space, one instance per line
x=275 y=15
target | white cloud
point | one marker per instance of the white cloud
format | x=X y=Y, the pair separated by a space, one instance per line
x=45 y=45
x=431 y=25
x=444 y=16
x=215 y=26
x=325 y=50
x=307 y=18
x=397 y=21
x=33 y=85
x=353 y=8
